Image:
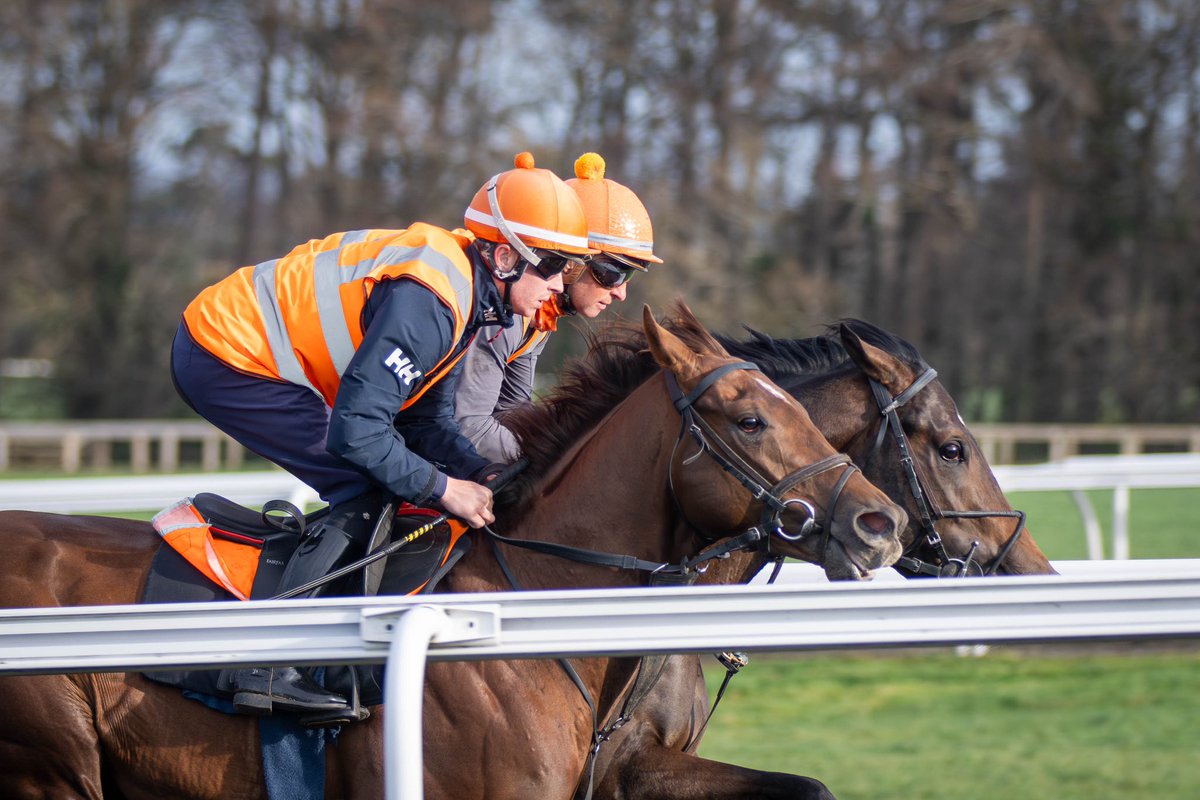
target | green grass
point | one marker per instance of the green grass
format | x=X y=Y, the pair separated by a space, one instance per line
x=1163 y=523
x=933 y=725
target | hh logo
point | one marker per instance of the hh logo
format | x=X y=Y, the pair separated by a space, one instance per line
x=402 y=365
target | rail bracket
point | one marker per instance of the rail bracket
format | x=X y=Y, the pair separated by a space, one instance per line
x=474 y=624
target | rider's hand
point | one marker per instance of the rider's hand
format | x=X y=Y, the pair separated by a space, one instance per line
x=468 y=501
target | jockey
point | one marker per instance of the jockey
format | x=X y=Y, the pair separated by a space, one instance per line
x=499 y=368
x=332 y=362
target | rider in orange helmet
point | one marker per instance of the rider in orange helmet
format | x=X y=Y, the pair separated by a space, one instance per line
x=330 y=362
x=499 y=368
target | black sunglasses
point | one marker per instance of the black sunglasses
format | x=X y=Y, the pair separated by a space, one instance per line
x=609 y=274
x=551 y=264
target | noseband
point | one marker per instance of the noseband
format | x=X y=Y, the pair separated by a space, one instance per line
x=771 y=495
x=943 y=565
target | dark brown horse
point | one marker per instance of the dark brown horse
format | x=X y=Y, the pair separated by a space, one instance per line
x=609 y=471
x=876 y=399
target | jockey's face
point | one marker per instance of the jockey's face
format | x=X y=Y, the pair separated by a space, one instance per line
x=589 y=298
x=531 y=291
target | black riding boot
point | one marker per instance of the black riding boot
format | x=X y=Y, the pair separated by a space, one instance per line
x=340 y=537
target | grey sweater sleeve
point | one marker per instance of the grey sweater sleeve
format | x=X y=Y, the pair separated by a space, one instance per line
x=490 y=385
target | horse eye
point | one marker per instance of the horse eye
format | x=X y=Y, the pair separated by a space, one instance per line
x=751 y=424
x=951 y=451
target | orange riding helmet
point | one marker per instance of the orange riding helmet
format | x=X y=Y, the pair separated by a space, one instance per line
x=528 y=207
x=618 y=224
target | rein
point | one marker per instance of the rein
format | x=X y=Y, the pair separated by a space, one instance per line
x=943 y=565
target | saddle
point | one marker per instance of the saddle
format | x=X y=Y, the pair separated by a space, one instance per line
x=214 y=549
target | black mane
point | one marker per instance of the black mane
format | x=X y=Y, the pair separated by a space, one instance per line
x=799 y=358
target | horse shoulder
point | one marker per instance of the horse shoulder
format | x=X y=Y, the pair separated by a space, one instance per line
x=526 y=717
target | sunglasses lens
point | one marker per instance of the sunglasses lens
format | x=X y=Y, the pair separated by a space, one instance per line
x=608 y=274
x=552 y=264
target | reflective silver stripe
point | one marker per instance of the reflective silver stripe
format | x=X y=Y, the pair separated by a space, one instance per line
x=353 y=237
x=277 y=335
x=461 y=285
x=529 y=230
x=620 y=241
x=327 y=278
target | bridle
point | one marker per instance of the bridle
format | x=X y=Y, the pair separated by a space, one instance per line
x=757 y=537
x=774 y=505
x=942 y=564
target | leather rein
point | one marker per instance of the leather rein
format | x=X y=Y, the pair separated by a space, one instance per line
x=942 y=565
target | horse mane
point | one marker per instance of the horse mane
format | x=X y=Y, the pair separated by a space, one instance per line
x=780 y=359
x=589 y=386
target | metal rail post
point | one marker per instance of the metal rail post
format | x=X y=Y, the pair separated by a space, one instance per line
x=403 y=696
x=412 y=630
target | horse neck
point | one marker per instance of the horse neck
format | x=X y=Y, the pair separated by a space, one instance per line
x=607 y=493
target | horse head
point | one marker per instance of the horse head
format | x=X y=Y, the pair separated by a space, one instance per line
x=748 y=457
x=877 y=400
x=961 y=521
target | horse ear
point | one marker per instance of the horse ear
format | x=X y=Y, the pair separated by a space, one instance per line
x=668 y=350
x=700 y=334
x=873 y=361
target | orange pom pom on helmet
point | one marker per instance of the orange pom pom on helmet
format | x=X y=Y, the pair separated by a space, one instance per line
x=618 y=224
x=529 y=207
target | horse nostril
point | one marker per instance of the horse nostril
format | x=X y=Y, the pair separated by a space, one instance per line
x=875 y=523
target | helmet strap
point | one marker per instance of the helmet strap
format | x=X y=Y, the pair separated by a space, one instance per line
x=502 y=226
x=512 y=275
x=565 y=305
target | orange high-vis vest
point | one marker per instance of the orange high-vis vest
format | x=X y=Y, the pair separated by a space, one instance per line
x=299 y=318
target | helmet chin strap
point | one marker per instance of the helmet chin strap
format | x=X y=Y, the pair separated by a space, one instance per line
x=565 y=304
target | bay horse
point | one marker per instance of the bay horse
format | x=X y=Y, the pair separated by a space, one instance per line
x=876 y=399
x=653 y=467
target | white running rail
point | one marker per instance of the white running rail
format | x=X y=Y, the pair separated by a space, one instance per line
x=407 y=631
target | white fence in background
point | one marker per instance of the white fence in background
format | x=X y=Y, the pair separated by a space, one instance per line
x=159 y=444
x=148 y=492
x=405 y=632
x=1121 y=474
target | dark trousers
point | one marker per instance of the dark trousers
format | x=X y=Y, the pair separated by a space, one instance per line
x=282 y=422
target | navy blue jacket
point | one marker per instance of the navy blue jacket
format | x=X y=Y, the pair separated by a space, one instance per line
x=409 y=452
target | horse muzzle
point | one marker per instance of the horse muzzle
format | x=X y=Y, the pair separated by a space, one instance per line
x=863 y=541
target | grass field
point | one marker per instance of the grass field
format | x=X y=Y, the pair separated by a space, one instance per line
x=1163 y=523
x=1016 y=723
x=933 y=725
